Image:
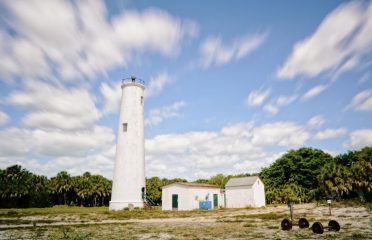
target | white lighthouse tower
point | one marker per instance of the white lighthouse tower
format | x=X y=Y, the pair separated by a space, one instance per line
x=128 y=187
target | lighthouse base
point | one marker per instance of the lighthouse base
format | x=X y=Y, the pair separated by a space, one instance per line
x=115 y=205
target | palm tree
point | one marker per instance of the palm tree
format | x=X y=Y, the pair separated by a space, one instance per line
x=336 y=180
x=83 y=188
x=62 y=185
x=362 y=172
x=15 y=187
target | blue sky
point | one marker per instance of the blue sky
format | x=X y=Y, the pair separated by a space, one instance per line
x=230 y=86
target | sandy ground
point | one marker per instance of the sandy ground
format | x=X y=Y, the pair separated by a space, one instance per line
x=262 y=223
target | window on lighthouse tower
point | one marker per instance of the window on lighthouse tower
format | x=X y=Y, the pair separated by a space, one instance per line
x=125 y=127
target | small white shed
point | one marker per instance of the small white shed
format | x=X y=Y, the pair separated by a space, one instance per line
x=186 y=196
x=245 y=192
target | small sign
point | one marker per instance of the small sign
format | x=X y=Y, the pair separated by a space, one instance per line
x=329 y=201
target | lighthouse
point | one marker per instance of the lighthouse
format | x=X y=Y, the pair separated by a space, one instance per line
x=128 y=186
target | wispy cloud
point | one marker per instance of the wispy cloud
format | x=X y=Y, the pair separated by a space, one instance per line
x=50 y=106
x=271 y=109
x=350 y=28
x=274 y=106
x=156 y=116
x=364 y=78
x=360 y=138
x=257 y=97
x=330 y=133
x=157 y=84
x=362 y=101
x=111 y=97
x=214 y=52
x=78 y=40
x=314 y=92
x=316 y=121
x=4 y=118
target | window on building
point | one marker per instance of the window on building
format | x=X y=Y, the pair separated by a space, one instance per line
x=125 y=127
x=141 y=99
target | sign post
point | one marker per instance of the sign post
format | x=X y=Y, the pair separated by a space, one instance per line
x=290 y=205
x=329 y=201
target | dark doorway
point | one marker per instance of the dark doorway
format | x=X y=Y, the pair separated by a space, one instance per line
x=215 y=200
x=174 y=201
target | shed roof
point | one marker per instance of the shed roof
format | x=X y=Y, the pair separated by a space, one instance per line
x=203 y=185
x=243 y=181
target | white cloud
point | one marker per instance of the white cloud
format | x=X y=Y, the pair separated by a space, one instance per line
x=314 y=91
x=257 y=97
x=78 y=40
x=362 y=101
x=252 y=165
x=214 y=52
x=330 y=133
x=111 y=96
x=20 y=56
x=287 y=134
x=360 y=138
x=316 y=121
x=236 y=148
x=23 y=142
x=61 y=143
x=52 y=151
x=156 y=116
x=14 y=142
x=157 y=83
x=55 y=106
x=101 y=163
x=339 y=43
x=4 y=118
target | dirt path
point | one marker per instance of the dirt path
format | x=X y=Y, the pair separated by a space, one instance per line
x=152 y=220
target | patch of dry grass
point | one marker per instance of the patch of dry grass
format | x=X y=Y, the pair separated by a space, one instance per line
x=99 y=223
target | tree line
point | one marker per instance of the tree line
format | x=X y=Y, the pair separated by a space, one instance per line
x=20 y=188
x=301 y=175
x=310 y=174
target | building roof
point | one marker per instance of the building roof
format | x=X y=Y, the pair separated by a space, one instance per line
x=243 y=181
x=203 y=185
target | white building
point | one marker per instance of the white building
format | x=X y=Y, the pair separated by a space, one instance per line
x=245 y=192
x=128 y=184
x=186 y=196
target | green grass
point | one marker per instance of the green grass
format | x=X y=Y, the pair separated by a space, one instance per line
x=16 y=212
